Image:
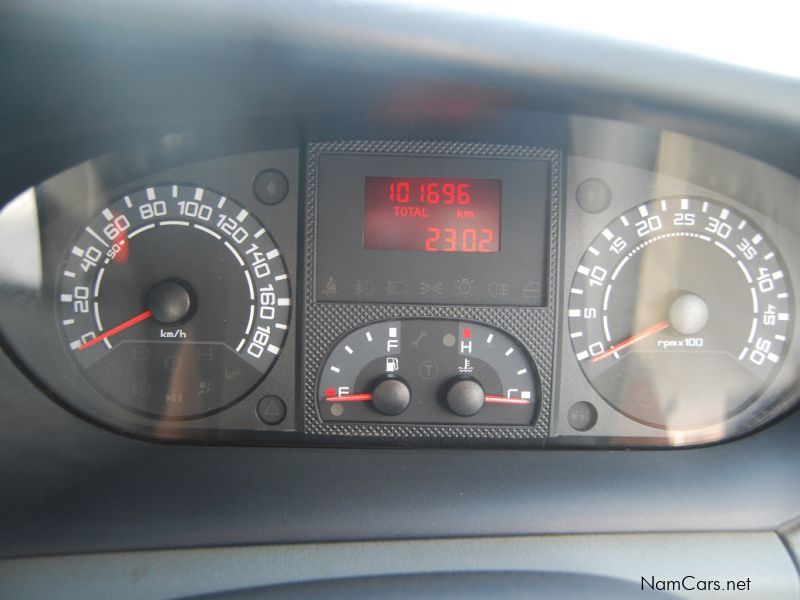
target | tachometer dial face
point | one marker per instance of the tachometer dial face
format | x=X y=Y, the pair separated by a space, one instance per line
x=679 y=312
x=174 y=301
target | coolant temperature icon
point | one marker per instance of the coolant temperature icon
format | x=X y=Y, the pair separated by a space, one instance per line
x=466 y=367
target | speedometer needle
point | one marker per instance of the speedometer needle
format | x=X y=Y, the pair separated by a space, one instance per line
x=115 y=330
x=637 y=337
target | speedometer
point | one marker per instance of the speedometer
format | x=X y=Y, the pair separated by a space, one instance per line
x=174 y=301
x=679 y=312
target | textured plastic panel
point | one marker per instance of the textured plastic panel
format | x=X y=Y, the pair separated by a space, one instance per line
x=756 y=555
x=326 y=322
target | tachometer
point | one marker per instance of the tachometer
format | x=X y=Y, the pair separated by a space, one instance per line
x=680 y=311
x=174 y=301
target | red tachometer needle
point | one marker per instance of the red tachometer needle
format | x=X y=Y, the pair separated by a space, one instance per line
x=637 y=337
x=350 y=398
x=115 y=330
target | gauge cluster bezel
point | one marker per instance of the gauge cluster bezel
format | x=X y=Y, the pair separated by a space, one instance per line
x=751 y=187
x=325 y=322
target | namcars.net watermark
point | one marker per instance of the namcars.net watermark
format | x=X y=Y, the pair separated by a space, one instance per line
x=690 y=583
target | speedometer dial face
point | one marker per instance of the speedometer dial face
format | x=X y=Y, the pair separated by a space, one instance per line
x=174 y=301
x=679 y=312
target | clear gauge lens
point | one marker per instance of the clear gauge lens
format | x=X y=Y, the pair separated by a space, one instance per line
x=679 y=312
x=174 y=301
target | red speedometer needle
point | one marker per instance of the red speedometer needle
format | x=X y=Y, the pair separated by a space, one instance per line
x=115 y=330
x=504 y=400
x=350 y=398
x=637 y=337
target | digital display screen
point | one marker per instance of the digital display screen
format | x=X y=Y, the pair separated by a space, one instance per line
x=398 y=228
x=432 y=214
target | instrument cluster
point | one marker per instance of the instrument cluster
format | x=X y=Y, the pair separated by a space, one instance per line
x=412 y=292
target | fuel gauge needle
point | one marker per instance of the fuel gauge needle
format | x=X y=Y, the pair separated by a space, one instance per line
x=635 y=338
x=115 y=330
x=350 y=398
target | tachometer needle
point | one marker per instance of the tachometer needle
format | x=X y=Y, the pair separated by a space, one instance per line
x=115 y=330
x=637 y=337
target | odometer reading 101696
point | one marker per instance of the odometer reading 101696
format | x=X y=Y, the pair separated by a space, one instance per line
x=680 y=312
x=174 y=300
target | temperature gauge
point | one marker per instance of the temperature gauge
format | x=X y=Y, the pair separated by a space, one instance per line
x=428 y=371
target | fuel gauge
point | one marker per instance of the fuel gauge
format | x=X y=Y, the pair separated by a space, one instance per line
x=428 y=371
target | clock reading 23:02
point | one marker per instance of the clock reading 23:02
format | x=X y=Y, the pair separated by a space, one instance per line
x=679 y=312
x=174 y=301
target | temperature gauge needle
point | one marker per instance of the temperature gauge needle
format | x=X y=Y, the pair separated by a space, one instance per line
x=504 y=400
x=637 y=337
x=115 y=330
